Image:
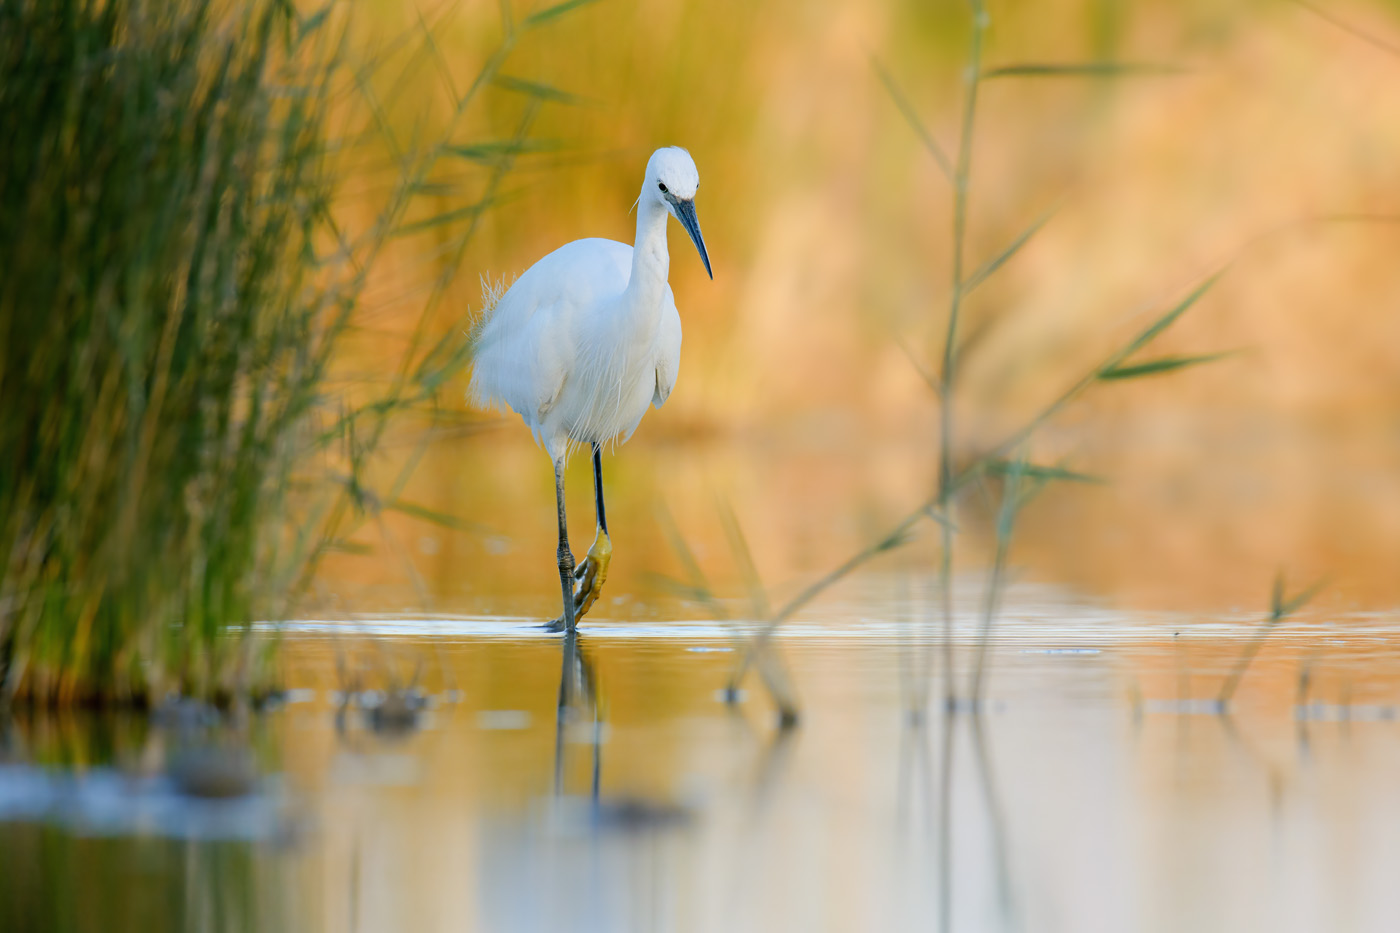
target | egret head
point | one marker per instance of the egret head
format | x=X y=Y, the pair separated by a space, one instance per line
x=671 y=182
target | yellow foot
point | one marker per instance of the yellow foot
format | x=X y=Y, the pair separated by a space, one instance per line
x=590 y=575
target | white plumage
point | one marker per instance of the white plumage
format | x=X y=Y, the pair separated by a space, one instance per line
x=584 y=341
x=589 y=336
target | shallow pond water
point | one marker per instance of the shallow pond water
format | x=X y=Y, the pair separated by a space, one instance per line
x=421 y=776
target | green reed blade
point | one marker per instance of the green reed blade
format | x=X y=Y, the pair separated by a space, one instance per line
x=1156 y=367
x=1081 y=70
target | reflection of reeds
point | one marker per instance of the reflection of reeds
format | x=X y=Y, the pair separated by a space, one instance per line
x=1280 y=608
x=178 y=451
x=755 y=651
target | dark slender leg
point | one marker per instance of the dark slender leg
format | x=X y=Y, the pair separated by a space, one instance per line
x=592 y=572
x=598 y=486
x=566 y=556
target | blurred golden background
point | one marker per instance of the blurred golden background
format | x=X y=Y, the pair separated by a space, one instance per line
x=1271 y=150
x=434 y=771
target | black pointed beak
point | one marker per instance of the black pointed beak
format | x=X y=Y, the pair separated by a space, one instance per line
x=685 y=213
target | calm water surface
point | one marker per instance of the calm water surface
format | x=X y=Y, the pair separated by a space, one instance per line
x=1099 y=790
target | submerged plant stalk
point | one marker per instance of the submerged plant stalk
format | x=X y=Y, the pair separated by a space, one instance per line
x=948 y=374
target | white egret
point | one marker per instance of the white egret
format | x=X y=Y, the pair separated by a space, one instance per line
x=583 y=342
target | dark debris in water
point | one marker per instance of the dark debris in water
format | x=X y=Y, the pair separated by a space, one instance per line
x=200 y=802
x=395 y=712
x=1202 y=707
x=185 y=714
x=214 y=772
x=633 y=814
x=624 y=814
x=1333 y=712
x=195 y=774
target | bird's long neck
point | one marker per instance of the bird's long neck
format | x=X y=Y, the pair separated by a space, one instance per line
x=651 y=262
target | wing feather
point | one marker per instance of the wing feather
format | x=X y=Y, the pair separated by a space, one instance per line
x=522 y=346
x=668 y=355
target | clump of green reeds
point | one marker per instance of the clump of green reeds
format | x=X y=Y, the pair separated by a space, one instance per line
x=158 y=199
x=174 y=288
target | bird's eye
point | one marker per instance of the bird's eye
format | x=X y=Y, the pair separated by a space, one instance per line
x=662 y=186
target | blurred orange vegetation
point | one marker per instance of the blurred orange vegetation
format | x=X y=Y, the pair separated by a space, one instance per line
x=1274 y=152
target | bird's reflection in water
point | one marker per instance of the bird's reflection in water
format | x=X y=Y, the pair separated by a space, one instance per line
x=588 y=855
x=578 y=706
x=579 y=721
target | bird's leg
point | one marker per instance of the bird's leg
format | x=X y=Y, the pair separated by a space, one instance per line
x=593 y=572
x=566 y=621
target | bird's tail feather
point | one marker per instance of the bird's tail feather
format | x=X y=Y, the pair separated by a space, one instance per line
x=484 y=391
x=492 y=291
